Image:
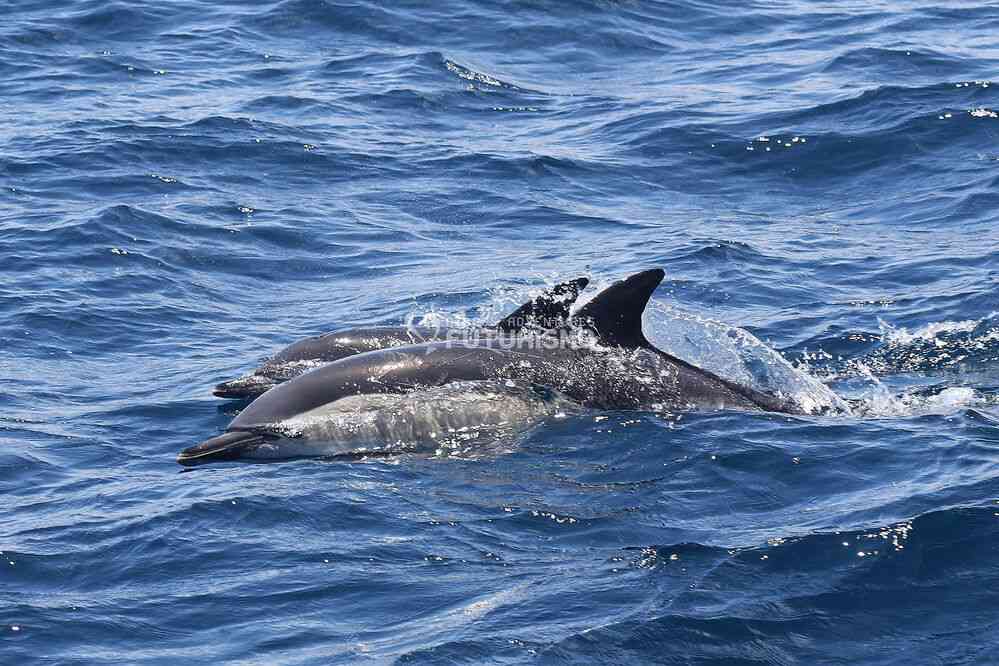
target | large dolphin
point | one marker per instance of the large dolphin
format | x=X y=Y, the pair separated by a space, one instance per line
x=619 y=370
x=549 y=310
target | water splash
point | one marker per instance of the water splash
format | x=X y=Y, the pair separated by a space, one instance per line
x=902 y=376
x=957 y=345
x=874 y=398
x=738 y=355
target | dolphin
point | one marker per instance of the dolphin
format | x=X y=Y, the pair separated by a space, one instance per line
x=607 y=363
x=547 y=311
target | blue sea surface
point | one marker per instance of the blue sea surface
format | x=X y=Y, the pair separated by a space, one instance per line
x=189 y=186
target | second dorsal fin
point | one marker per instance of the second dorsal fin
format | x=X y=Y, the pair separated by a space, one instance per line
x=615 y=314
x=548 y=311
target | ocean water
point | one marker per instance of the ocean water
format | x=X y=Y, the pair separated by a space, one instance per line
x=188 y=186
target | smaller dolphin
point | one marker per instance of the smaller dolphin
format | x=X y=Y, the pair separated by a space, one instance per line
x=547 y=311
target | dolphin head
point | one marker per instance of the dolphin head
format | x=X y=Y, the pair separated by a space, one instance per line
x=268 y=375
x=243 y=388
x=227 y=446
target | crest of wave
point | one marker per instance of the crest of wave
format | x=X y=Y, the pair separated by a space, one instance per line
x=967 y=345
x=966 y=349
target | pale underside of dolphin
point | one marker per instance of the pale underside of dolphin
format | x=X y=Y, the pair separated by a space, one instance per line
x=464 y=417
x=547 y=311
x=619 y=369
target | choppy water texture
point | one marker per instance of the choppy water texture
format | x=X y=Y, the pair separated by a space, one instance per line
x=187 y=187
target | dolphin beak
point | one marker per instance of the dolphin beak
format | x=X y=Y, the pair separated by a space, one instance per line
x=227 y=446
x=249 y=386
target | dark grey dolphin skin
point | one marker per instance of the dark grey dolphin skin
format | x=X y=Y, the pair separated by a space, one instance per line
x=548 y=311
x=623 y=372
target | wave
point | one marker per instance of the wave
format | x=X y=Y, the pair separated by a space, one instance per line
x=783 y=601
x=966 y=346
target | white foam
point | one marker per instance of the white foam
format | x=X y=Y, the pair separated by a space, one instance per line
x=881 y=403
x=902 y=336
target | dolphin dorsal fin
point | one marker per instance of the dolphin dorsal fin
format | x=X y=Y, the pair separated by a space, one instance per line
x=615 y=314
x=548 y=311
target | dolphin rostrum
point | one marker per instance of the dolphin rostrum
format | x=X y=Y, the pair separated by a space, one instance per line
x=613 y=367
